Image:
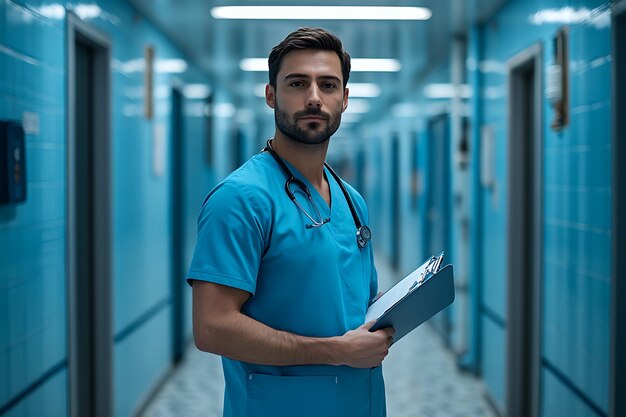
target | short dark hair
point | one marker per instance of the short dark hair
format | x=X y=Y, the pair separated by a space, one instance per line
x=308 y=38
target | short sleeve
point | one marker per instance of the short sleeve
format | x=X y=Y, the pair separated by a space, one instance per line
x=230 y=238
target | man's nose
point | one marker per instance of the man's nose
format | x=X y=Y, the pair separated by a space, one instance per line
x=313 y=98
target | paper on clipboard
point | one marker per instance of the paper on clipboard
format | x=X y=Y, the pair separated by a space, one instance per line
x=407 y=285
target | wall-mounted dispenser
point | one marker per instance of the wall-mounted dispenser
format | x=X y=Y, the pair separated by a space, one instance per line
x=12 y=163
x=557 y=81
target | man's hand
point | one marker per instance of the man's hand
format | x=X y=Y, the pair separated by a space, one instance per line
x=361 y=348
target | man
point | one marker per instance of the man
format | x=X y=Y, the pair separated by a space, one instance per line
x=281 y=279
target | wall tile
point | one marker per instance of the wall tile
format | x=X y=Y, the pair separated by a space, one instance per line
x=4 y=376
x=576 y=198
x=32 y=234
x=557 y=400
x=135 y=377
x=494 y=360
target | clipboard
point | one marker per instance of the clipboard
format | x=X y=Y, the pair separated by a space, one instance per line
x=415 y=299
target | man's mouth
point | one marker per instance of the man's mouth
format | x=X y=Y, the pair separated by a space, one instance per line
x=312 y=116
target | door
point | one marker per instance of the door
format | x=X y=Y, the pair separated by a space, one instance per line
x=178 y=227
x=90 y=341
x=438 y=206
x=524 y=233
x=395 y=202
x=617 y=403
x=239 y=148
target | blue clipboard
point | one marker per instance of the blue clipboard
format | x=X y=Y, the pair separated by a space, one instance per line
x=434 y=294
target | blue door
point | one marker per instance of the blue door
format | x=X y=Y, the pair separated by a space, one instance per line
x=438 y=205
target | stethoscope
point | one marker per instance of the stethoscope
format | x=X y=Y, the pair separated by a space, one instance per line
x=363 y=233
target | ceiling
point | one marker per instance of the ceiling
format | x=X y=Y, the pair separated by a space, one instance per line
x=217 y=46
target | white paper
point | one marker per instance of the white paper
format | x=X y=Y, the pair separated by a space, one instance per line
x=396 y=293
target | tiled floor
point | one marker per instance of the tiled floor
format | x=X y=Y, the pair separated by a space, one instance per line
x=421 y=380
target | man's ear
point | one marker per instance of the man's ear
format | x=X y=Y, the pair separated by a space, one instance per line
x=344 y=106
x=270 y=96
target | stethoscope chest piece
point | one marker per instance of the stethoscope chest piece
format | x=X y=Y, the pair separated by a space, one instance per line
x=363 y=235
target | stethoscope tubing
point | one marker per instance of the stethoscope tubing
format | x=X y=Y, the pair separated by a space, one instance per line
x=363 y=233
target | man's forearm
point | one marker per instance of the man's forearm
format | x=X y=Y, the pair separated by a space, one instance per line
x=242 y=338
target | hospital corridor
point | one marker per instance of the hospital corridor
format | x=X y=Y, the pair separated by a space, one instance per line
x=243 y=208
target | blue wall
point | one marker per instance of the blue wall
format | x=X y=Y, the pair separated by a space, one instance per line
x=576 y=212
x=576 y=216
x=33 y=351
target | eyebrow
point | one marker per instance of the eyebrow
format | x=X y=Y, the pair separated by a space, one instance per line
x=324 y=77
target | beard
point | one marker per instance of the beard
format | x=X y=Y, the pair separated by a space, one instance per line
x=311 y=135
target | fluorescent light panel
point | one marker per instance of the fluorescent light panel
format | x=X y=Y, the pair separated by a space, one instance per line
x=364 y=89
x=358 y=64
x=253 y=64
x=166 y=66
x=375 y=65
x=357 y=106
x=447 y=91
x=321 y=13
x=196 y=91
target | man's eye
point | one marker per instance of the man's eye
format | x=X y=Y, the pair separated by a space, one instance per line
x=329 y=85
x=296 y=84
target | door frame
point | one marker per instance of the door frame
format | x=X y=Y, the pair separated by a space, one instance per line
x=617 y=383
x=100 y=383
x=396 y=209
x=524 y=296
x=178 y=164
x=443 y=321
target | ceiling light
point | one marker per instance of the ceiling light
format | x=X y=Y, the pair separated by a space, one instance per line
x=253 y=64
x=130 y=66
x=358 y=64
x=404 y=110
x=321 y=13
x=357 y=106
x=52 y=11
x=170 y=66
x=224 y=110
x=364 y=89
x=167 y=66
x=375 y=65
x=196 y=91
x=447 y=91
x=600 y=17
x=88 y=11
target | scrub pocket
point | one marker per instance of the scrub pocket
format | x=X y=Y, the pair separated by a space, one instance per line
x=289 y=396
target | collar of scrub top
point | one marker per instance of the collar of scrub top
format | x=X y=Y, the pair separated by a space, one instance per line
x=363 y=233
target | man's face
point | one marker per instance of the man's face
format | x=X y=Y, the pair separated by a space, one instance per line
x=309 y=96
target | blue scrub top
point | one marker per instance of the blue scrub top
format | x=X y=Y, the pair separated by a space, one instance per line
x=312 y=282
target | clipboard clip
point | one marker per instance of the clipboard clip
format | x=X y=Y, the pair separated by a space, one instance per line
x=432 y=267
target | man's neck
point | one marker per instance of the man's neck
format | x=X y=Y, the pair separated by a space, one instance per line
x=308 y=159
